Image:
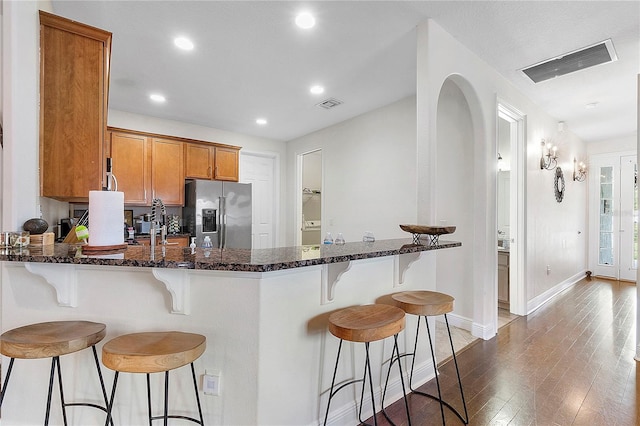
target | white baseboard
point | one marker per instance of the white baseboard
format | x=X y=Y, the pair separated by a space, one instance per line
x=540 y=300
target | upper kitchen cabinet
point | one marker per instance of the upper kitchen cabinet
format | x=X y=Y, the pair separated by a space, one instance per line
x=207 y=161
x=147 y=166
x=131 y=165
x=74 y=83
x=226 y=164
x=167 y=171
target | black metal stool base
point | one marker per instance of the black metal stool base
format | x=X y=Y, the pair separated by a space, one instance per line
x=165 y=416
x=438 y=398
x=367 y=371
x=55 y=365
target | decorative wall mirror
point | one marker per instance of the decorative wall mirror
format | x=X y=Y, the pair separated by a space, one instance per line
x=558 y=185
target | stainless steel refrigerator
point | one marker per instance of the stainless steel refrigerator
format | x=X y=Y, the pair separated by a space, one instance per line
x=220 y=210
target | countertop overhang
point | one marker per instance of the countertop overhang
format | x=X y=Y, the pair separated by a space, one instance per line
x=241 y=260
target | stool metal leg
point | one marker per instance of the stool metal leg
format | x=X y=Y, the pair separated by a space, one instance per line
x=165 y=413
x=113 y=394
x=367 y=366
x=195 y=387
x=166 y=398
x=455 y=362
x=149 y=399
x=6 y=381
x=102 y=387
x=51 y=375
x=64 y=405
x=395 y=356
x=367 y=370
x=438 y=398
x=333 y=382
x=435 y=368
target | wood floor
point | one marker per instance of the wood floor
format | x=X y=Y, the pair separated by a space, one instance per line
x=568 y=363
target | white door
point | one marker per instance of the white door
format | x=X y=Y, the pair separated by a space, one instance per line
x=628 y=217
x=260 y=170
x=614 y=218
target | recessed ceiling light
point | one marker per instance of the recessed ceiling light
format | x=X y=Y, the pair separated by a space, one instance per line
x=157 y=98
x=316 y=90
x=183 y=43
x=261 y=121
x=305 y=20
x=591 y=105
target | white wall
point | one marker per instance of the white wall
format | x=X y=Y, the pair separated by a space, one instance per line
x=551 y=233
x=369 y=175
x=20 y=75
x=454 y=193
x=617 y=145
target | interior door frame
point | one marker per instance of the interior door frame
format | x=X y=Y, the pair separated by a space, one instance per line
x=517 y=207
x=298 y=198
x=275 y=158
x=596 y=161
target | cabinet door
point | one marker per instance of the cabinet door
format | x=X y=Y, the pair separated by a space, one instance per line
x=503 y=278
x=73 y=96
x=226 y=164
x=131 y=166
x=198 y=161
x=167 y=171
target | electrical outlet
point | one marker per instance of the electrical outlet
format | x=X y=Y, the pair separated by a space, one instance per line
x=211 y=383
x=548 y=270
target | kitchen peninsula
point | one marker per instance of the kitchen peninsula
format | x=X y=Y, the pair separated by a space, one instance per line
x=263 y=313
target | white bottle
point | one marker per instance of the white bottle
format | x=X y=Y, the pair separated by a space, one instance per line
x=193 y=245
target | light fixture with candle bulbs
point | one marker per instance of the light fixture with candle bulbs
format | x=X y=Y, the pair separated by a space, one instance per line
x=579 y=171
x=549 y=158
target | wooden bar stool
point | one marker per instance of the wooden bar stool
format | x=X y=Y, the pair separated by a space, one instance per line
x=154 y=352
x=51 y=340
x=366 y=323
x=426 y=304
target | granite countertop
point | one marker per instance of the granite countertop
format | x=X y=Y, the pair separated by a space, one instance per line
x=257 y=260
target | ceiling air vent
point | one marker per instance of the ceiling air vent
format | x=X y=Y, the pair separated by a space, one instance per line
x=597 y=54
x=329 y=103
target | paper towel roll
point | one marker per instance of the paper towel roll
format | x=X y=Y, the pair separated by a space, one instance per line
x=106 y=218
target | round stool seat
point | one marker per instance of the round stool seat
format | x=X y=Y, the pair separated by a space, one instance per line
x=152 y=352
x=366 y=323
x=425 y=303
x=50 y=339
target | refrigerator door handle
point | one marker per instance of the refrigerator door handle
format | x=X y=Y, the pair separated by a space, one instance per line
x=223 y=223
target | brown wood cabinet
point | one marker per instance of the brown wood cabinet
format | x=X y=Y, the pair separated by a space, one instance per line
x=131 y=165
x=147 y=167
x=503 y=279
x=74 y=90
x=167 y=171
x=204 y=161
x=174 y=240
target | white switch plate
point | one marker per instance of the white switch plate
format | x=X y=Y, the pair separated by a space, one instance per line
x=211 y=383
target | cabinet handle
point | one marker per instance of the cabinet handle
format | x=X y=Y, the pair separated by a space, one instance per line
x=216 y=173
x=209 y=171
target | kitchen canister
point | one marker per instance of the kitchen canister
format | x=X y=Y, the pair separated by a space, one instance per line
x=173 y=224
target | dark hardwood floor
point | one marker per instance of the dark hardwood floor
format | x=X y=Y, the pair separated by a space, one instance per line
x=568 y=363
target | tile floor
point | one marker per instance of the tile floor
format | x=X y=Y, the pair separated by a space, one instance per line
x=461 y=338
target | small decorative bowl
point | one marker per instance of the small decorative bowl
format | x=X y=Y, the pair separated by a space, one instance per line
x=433 y=232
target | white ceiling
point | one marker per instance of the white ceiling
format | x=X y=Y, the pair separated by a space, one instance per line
x=251 y=61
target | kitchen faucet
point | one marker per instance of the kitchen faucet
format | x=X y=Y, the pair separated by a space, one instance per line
x=155 y=223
